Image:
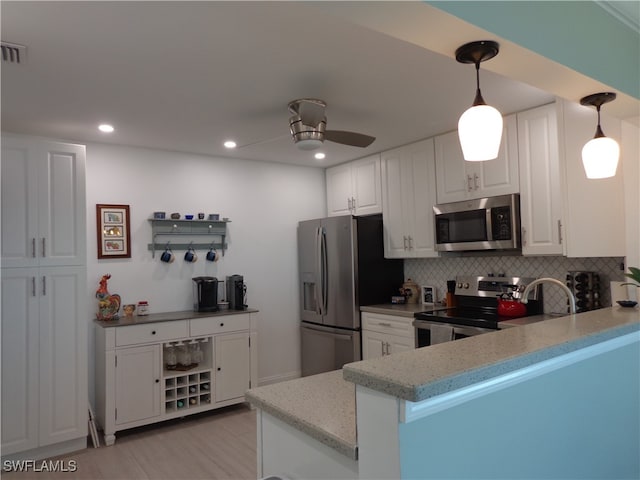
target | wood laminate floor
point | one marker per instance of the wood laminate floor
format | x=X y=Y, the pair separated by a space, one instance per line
x=215 y=445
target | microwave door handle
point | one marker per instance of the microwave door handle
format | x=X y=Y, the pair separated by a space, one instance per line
x=489 y=225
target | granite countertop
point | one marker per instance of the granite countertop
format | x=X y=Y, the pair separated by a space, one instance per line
x=400 y=309
x=426 y=372
x=322 y=406
x=167 y=317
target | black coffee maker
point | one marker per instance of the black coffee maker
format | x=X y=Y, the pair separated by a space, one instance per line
x=236 y=290
x=205 y=294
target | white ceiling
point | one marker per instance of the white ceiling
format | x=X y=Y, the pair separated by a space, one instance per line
x=185 y=76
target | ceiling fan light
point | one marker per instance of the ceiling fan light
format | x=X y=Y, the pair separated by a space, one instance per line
x=480 y=133
x=600 y=157
x=309 y=144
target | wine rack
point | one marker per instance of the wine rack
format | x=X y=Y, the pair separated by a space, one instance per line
x=192 y=390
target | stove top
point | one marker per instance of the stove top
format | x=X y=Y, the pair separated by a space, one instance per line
x=477 y=301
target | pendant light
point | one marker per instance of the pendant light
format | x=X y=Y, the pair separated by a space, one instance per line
x=600 y=155
x=480 y=127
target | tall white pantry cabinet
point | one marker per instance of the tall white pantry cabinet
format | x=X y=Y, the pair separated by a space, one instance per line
x=44 y=336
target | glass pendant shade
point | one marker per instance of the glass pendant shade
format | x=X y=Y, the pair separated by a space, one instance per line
x=480 y=133
x=600 y=157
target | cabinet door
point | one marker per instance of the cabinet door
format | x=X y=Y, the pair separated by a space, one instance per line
x=452 y=184
x=395 y=236
x=420 y=194
x=19 y=203
x=397 y=344
x=19 y=359
x=373 y=344
x=61 y=204
x=366 y=186
x=500 y=175
x=137 y=383
x=232 y=368
x=540 y=180
x=63 y=354
x=339 y=190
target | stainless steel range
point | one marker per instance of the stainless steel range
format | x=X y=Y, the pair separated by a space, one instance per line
x=476 y=309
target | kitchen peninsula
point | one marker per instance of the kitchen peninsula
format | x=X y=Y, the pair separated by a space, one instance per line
x=557 y=398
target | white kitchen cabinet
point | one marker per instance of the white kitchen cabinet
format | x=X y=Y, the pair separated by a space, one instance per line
x=43 y=203
x=232 y=366
x=354 y=188
x=459 y=180
x=594 y=215
x=44 y=351
x=386 y=334
x=135 y=386
x=408 y=196
x=540 y=181
x=563 y=212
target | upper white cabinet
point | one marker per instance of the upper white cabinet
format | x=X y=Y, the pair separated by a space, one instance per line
x=459 y=180
x=354 y=188
x=408 y=196
x=594 y=216
x=563 y=212
x=540 y=181
x=43 y=203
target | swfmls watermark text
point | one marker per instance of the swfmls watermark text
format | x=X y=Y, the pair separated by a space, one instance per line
x=68 y=466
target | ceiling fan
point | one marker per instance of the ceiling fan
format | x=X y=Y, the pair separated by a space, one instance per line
x=308 y=127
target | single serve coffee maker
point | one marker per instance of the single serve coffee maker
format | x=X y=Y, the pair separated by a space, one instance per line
x=205 y=294
x=236 y=291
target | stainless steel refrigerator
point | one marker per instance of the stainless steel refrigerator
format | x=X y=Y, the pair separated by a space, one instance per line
x=342 y=267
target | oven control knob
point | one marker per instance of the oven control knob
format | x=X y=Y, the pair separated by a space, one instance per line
x=459 y=285
x=465 y=285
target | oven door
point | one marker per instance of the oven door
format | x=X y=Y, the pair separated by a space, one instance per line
x=431 y=333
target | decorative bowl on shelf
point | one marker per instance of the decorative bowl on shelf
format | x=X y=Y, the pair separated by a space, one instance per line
x=189 y=217
x=627 y=303
x=175 y=216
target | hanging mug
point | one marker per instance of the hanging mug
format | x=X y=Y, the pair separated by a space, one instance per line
x=212 y=255
x=190 y=256
x=167 y=256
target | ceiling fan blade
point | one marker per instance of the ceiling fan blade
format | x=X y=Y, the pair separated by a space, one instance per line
x=349 y=138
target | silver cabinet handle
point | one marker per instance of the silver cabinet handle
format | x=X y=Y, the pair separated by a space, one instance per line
x=384 y=324
x=404 y=241
x=560 y=231
x=524 y=236
x=33 y=247
x=475 y=180
x=349 y=204
x=44 y=250
x=386 y=347
x=44 y=286
x=382 y=348
x=353 y=203
x=469 y=187
x=410 y=242
x=33 y=286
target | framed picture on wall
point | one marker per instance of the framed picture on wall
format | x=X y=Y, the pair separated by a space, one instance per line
x=114 y=238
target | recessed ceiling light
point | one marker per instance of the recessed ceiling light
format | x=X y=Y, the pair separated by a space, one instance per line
x=230 y=144
x=106 y=128
x=319 y=156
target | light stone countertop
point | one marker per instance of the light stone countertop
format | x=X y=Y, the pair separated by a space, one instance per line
x=426 y=372
x=123 y=320
x=322 y=406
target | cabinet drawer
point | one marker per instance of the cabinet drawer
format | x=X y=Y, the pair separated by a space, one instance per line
x=393 y=324
x=219 y=324
x=151 y=332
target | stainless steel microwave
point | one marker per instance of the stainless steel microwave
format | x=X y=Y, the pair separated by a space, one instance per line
x=491 y=223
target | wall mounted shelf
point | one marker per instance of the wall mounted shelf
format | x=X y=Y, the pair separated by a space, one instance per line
x=216 y=230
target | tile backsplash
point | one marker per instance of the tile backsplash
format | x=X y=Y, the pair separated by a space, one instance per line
x=436 y=272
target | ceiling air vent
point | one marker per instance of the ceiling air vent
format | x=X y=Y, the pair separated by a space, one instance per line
x=13 y=53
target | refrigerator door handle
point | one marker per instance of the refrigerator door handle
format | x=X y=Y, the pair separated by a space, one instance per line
x=336 y=336
x=325 y=276
x=317 y=285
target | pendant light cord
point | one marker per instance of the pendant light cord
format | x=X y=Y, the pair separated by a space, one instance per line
x=478 y=100
x=599 y=132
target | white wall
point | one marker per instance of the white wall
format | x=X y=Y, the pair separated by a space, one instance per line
x=264 y=202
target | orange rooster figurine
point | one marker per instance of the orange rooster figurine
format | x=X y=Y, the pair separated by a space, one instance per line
x=108 y=305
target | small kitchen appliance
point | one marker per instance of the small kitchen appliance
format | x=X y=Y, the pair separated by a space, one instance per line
x=236 y=291
x=205 y=294
x=477 y=309
x=491 y=223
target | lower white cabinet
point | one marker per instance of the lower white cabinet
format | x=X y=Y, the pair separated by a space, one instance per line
x=386 y=334
x=145 y=375
x=44 y=357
